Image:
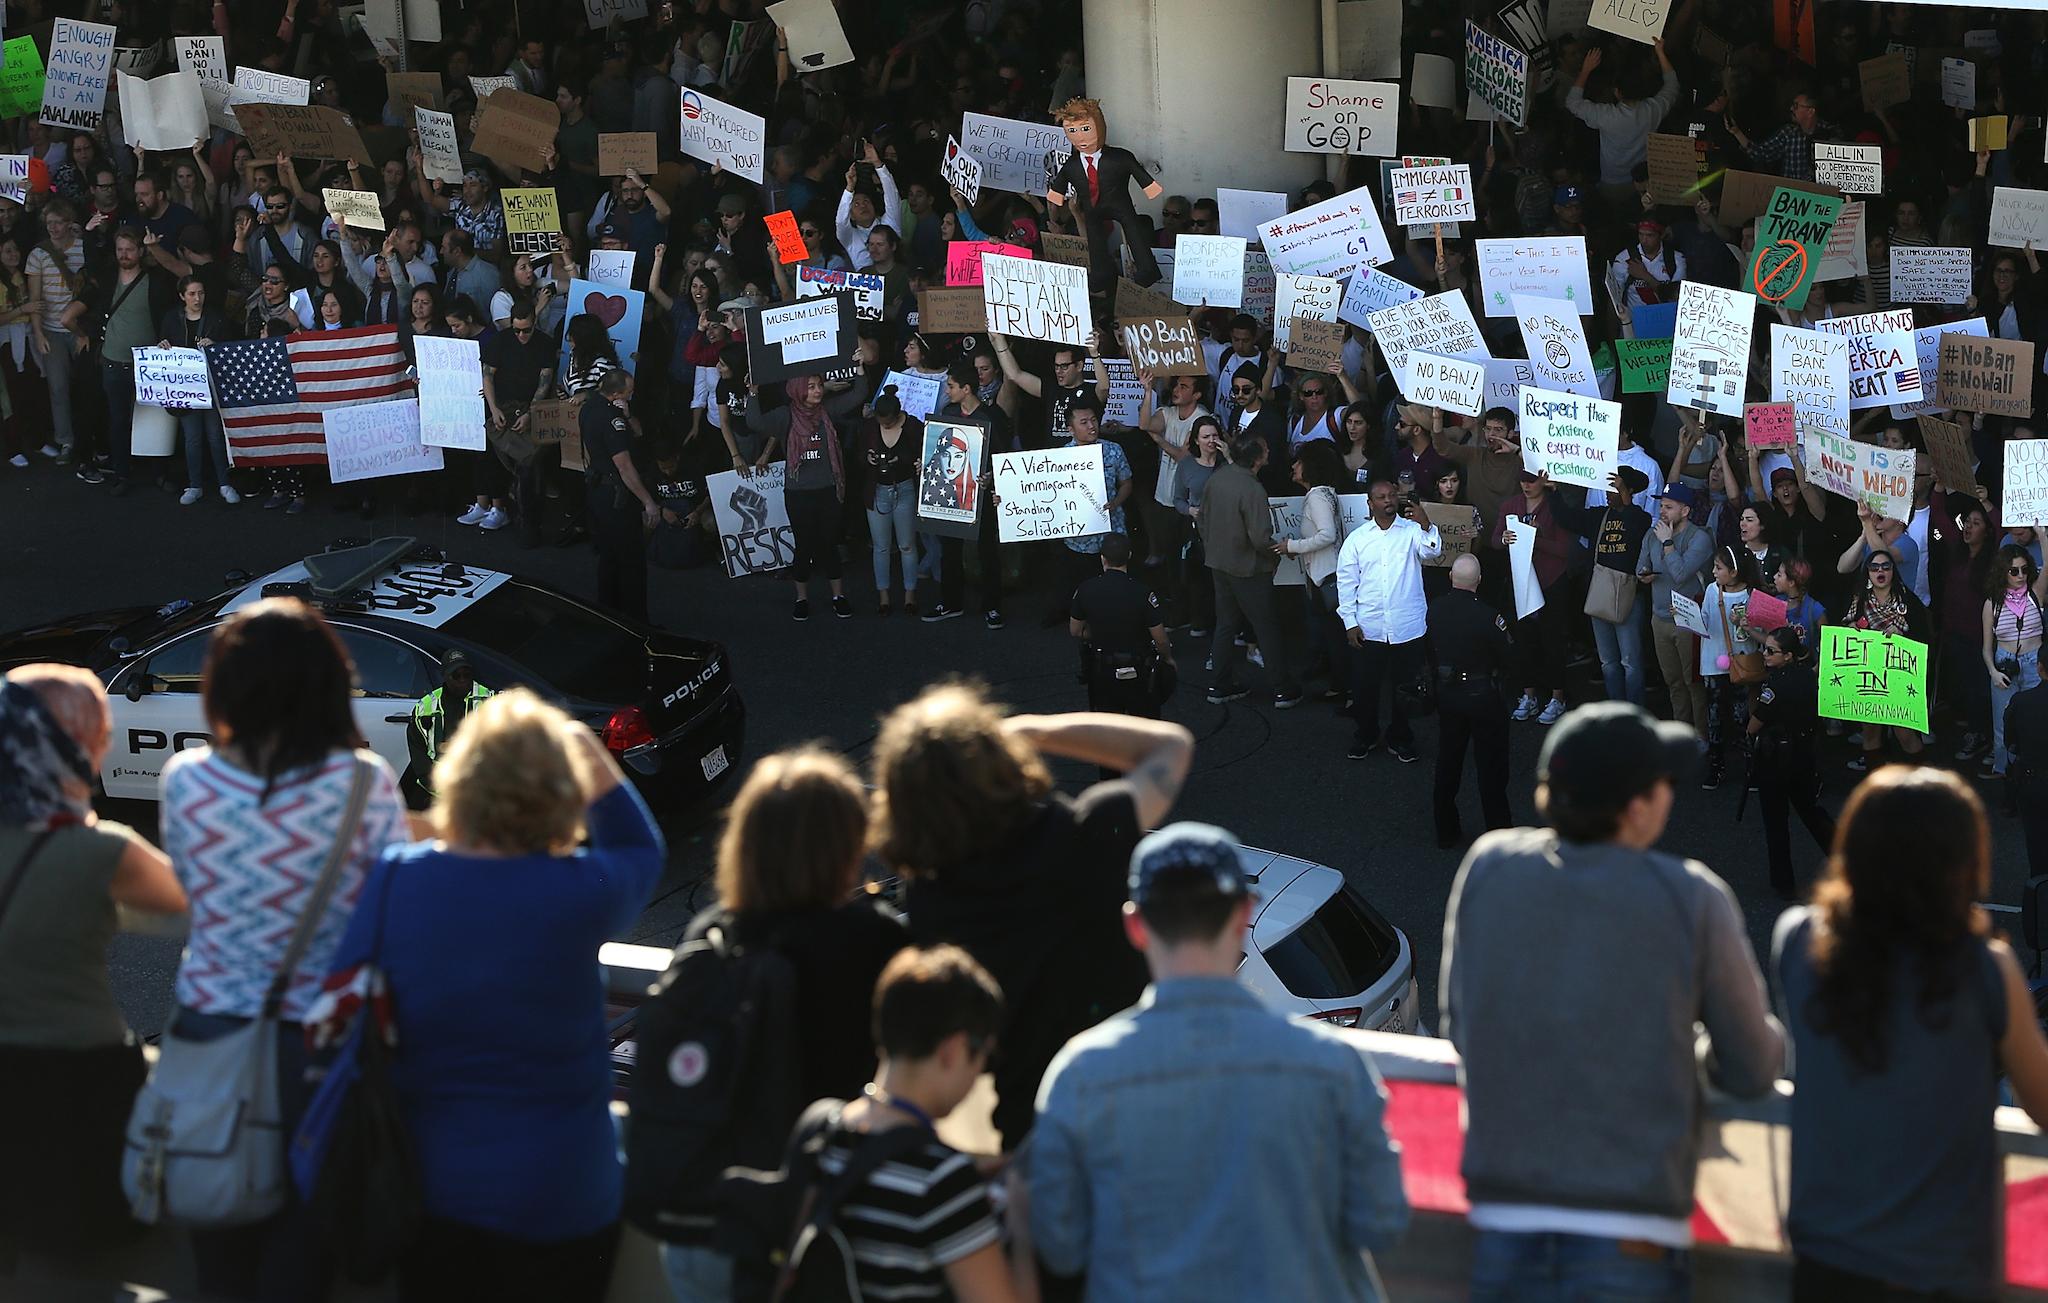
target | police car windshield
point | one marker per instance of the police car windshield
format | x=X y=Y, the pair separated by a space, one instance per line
x=573 y=650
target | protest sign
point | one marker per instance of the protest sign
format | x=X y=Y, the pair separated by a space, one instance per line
x=14 y=177
x=1353 y=510
x=1440 y=324
x=372 y=440
x=1763 y=612
x=2019 y=217
x=1314 y=297
x=1575 y=439
x=961 y=170
x=1987 y=134
x=1810 y=371
x=173 y=377
x=1953 y=462
x=2025 y=500
x=1369 y=38
x=1243 y=212
x=1432 y=81
x=300 y=130
x=866 y=287
x=1790 y=238
x=21 y=81
x=1674 y=168
x=1315 y=345
x=1710 y=348
x=619 y=309
x=451 y=392
x=620 y=152
x=788 y=237
x=517 y=130
x=1036 y=300
x=1521 y=541
x=1556 y=345
x=1497 y=73
x=1529 y=27
x=716 y=132
x=1053 y=493
x=1012 y=153
x=1770 y=425
x=1846 y=254
x=1208 y=270
x=963 y=259
x=1367 y=290
x=812 y=31
x=602 y=13
x=1427 y=196
x=920 y=395
x=167 y=112
x=1638 y=20
x=1260 y=286
x=1745 y=195
x=1165 y=346
x=949 y=494
x=1883 y=366
x=359 y=208
x=1551 y=266
x=1457 y=525
x=440 y=156
x=1930 y=274
x=1069 y=249
x=1959 y=83
x=1927 y=349
x=1878 y=477
x=532 y=218
x=1333 y=238
x=1645 y=365
x=1885 y=80
x=1992 y=376
x=610 y=267
x=1126 y=395
x=1654 y=320
x=1478 y=110
x=1687 y=615
x=1868 y=677
x=1330 y=116
x=957 y=311
x=255 y=86
x=806 y=338
x=414 y=90
x=1854 y=169
x=75 y=83
x=1447 y=382
x=422 y=20
x=754 y=533
x=482 y=88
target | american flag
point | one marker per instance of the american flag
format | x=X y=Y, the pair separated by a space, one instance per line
x=271 y=392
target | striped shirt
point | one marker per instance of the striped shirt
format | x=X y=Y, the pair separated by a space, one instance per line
x=57 y=296
x=912 y=1217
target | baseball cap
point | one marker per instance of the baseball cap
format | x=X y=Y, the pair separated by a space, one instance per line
x=1566 y=194
x=1603 y=755
x=1200 y=851
x=453 y=661
x=476 y=174
x=1783 y=473
x=739 y=303
x=611 y=231
x=1682 y=494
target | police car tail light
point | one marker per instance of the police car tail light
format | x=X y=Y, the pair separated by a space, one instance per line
x=627 y=729
x=1339 y=1017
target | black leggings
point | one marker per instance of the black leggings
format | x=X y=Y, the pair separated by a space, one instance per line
x=814 y=520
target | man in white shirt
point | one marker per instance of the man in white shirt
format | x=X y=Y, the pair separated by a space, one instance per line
x=1648 y=273
x=1379 y=599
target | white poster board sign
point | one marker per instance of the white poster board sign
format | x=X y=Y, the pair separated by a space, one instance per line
x=1575 y=438
x=1521 y=540
x=440 y=155
x=1037 y=299
x=1243 y=212
x=1811 y=371
x=371 y=440
x=919 y=395
x=1447 y=382
x=1439 y=323
x=812 y=30
x=75 y=75
x=1327 y=115
x=1051 y=493
x=1638 y=20
x=203 y=58
x=1927 y=351
x=1556 y=345
x=869 y=290
x=1496 y=74
x=1428 y=196
x=1333 y=238
x=255 y=86
x=1549 y=266
x=1314 y=297
x=1208 y=271
x=716 y=132
x=164 y=113
x=1846 y=254
x=1930 y=274
x=2019 y=217
x=1710 y=348
x=1879 y=477
x=1012 y=153
x=1852 y=169
x=2025 y=500
x=612 y=267
x=1884 y=366
x=451 y=376
x=1369 y=289
x=173 y=377
x=961 y=170
x=754 y=533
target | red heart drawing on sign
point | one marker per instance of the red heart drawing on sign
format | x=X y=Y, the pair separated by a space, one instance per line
x=608 y=308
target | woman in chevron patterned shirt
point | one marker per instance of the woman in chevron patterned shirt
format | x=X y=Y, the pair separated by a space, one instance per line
x=248 y=823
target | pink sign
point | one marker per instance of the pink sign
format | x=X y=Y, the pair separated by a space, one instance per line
x=963 y=259
x=1765 y=611
x=1769 y=425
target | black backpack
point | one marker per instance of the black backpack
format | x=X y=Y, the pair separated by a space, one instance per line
x=715 y=1081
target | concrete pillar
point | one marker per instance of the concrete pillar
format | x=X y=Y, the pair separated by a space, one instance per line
x=1197 y=88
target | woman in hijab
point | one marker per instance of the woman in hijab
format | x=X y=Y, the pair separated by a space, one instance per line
x=69 y=1067
x=814 y=484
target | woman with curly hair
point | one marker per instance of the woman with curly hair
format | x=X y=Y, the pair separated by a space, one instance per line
x=1903 y=1013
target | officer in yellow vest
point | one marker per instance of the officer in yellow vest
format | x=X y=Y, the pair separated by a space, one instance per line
x=434 y=721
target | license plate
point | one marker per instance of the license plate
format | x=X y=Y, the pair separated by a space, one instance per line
x=1396 y=1021
x=715 y=763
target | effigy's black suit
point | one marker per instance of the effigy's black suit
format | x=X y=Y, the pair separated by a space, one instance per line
x=1115 y=172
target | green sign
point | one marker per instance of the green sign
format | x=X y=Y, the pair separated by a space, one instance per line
x=1791 y=236
x=1645 y=365
x=21 y=81
x=1873 y=678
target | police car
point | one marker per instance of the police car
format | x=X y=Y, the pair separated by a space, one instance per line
x=665 y=705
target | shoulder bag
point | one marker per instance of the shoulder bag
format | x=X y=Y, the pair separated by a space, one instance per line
x=1611 y=594
x=1743 y=667
x=206 y=1143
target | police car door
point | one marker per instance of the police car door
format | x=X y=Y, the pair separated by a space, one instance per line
x=391 y=677
x=157 y=712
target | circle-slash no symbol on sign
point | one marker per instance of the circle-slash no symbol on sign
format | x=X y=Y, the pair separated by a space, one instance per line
x=1790 y=250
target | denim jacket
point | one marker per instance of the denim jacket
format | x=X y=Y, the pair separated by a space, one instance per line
x=1199 y=1146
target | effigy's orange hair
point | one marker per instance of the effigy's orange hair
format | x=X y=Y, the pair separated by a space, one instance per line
x=1077 y=108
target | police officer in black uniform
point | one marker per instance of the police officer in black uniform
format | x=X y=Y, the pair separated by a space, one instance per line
x=1784 y=726
x=1473 y=650
x=621 y=508
x=1123 y=636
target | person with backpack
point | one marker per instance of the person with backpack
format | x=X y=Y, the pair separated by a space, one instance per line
x=1648 y=273
x=764 y=1009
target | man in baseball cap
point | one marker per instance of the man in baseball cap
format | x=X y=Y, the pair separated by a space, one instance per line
x=1567 y=211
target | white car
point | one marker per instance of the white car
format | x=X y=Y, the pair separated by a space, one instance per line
x=1320 y=950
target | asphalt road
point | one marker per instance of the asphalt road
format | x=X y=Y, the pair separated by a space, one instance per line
x=1276 y=779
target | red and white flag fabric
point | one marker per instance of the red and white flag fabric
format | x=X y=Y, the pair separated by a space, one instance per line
x=271 y=392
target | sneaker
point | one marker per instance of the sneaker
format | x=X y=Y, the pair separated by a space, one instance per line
x=1402 y=751
x=1223 y=692
x=89 y=474
x=802 y=609
x=1286 y=700
x=19 y=461
x=1526 y=708
x=494 y=519
x=295 y=506
x=1972 y=744
x=938 y=611
x=1361 y=749
x=841 y=607
x=1712 y=778
x=52 y=451
x=274 y=501
x=993 y=619
x=1252 y=654
x=1860 y=762
x=1198 y=633
x=190 y=496
x=1553 y=711
x=228 y=494
x=474 y=516
x=1334 y=693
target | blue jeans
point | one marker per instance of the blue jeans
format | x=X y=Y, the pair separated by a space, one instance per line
x=1621 y=655
x=2029 y=676
x=697 y=1274
x=1544 y=1267
x=205 y=445
x=928 y=562
x=892 y=527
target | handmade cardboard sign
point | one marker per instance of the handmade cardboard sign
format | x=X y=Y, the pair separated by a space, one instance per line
x=359 y=208
x=1497 y=73
x=1878 y=477
x=1992 y=376
x=1674 y=168
x=1710 y=348
x=1165 y=346
x=620 y=152
x=1770 y=425
x=1873 y=678
x=1790 y=238
x=1036 y=300
x=1316 y=345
